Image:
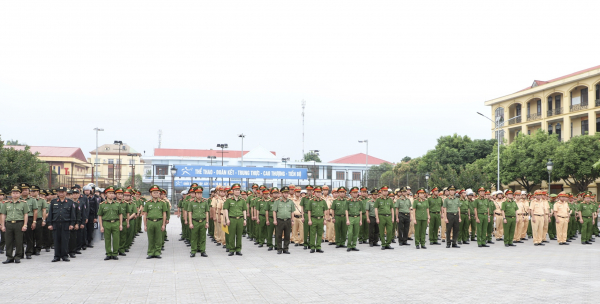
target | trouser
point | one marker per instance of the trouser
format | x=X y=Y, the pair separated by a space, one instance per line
x=250 y=228
x=482 y=229
x=443 y=229
x=73 y=240
x=211 y=227
x=530 y=229
x=595 y=229
x=571 y=229
x=546 y=224
x=341 y=230
x=154 y=236
x=330 y=231
x=452 y=227
x=218 y=233
x=364 y=230
x=2 y=240
x=490 y=229
x=262 y=230
x=198 y=236
x=270 y=230
x=29 y=236
x=373 y=230
x=353 y=230
x=38 y=235
x=244 y=229
x=403 y=226
x=183 y=226
x=463 y=228
x=434 y=226
x=473 y=226
x=123 y=238
x=537 y=229
x=131 y=233
x=411 y=229
x=499 y=227
x=14 y=238
x=385 y=223
x=420 y=229
x=81 y=237
x=284 y=226
x=90 y=231
x=316 y=230
x=61 y=236
x=586 y=229
x=307 y=231
x=236 y=227
x=509 y=230
x=297 y=231
x=561 y=229
x=519 y=227
x=111 y=237
x=552 y=227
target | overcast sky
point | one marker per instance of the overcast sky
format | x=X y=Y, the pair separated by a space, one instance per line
x=398 y=73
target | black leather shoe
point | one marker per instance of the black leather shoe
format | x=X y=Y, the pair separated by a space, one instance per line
x=542 y=244
x=227 y=250
x=203 y=254
x=8 y=261
x=231 y=254
x=256 y=243
x=90 y=246
x=393 y=241
x=157 y=257
x=47 y=250
x=126 y=250
x=355 y=249
x=405 y=244
x=349 y=249
x=566 y=244
x=455 y=246
x=55 y=260
x=484 y=245
x=466 y=243
x=122 y=254
x=519 y=242
x=376 y=245
x=162 y=249
x=278 y=252
x=188 y=245
x=436 y=243
x=490 y=242
x=115 y=258
x=331 y=243
x=512 y=245
x=286 y=252
x=72 y=255
x=320 y=251
x=218 y=244
x=66 y=259
x=79 y=252
x=270 y=248
x=17 y=261
x=338 y=246
x=418 y=247
x=261 y=246
x=148 y=257
x=192 y=255
x=28 y=256
x=423 y=247
x=312 y=251
x=443 y=241
x=296 y=245
x=478 y=245
x=37 y=253
x=107 y=258
x=382 y=248
x=410 y=239
x=506 y=245
x=389 y=247
x=224 y=246
x=544 y=241
x=448 y=245
x=342 y=246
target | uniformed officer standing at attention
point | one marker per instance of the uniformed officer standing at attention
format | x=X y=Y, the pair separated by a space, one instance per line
x=235 y=213
x=562 y=212
x=465 y=217
x=482 y=216
x=372 y=220
x=297 y=225
x=403 y=208
x=435 y=208
x=130 y=223
x=198 y=212
x=316 y=211
x=509 y=210
x=384 y=217
x=354 y=211
x=14 y=223
x=338 y=211
x=420 y=218
x=451 y=211
x=40 y=220
x=111 y=223
x=2 y=233
x=155 y=216
x=304 y=203
x=31 y=223
x=74 y=233
x=61 y=220
x=363 y=237
x=282 y=217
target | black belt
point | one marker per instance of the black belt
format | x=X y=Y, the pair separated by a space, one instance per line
x=110 y=221
x=318 y=217
x=403 y=213
x=498 y=213
x=296 y=216
x=563 y=216
x=384 y=214
x=13 y=222
x=585 y=216
x=354 y=215
x=155 y=220
x=280 y=219
x=509 y=216
x=483 y=214
x=453 y=213
x=340 y=214
x=199 y=221
x=434 y=212
x=538 y=214
x=237 y=217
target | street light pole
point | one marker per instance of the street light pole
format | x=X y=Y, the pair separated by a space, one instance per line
x=498 y=125
x=118 y=142
x=95 y=177
x=132 y=170
x=427 y=181
x=242 y=137
x=222 y=146
x=549 y=166
x=285 y=160
x=211 y=157
x=173 y=172
x=366 y=162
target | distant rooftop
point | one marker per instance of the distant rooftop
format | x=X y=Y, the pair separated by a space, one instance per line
x=200 y=153
x=54 y=151
x=359 y=158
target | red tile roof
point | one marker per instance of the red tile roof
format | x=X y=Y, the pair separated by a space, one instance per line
x=541 y=82
x=199 y=153
x=54 y=151
x=359 y=158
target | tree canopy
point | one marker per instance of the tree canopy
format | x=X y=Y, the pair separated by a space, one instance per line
x=21 y=166
x=574 y=161
x=311 y=157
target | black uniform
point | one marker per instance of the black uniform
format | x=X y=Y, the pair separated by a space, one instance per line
x=93 y=203
x=85 y=213
x=61 y=215
x=75 y=232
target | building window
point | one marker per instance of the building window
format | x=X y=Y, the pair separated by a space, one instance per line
x=111 y=171
x=111 y=161
x=329 y=172
x=598 y=92
x=528 y=132
x=340 y=175
x=558 y=132
x=162 y=170
x=550 y=103
x=584 y=127
x=584 y=96
x=539 y=107
x=518 y=110
x=549 y=128
x=356 y=176
x=500 y=114
x=557 y=104
x=597 y=124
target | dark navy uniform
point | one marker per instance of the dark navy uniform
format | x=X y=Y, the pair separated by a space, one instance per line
x=74 y=233
x=82 y=232
x=93 y=203
x=61 y=215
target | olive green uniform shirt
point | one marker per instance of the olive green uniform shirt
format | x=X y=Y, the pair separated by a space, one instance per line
x=236 y=207
x=284 y=208
x=451 y=205
x=435 y=204
x=586 y=209
x=354 y=207
x=42 y=204
x=421 y=209
x=403 y=205
x=317 y=207
x=110 y=210
x=509 y=207
x=339 y=207
x=14 y=211
x=32 y=204
x=154 y=209
x=198 y=209
x=464 y=206
x=384 y=205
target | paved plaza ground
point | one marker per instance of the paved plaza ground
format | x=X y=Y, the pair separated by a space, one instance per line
x=525 y=273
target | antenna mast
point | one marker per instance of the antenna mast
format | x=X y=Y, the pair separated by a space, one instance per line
x=159 y=138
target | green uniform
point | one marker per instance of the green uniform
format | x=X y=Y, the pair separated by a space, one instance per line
x=341 y=229
x=355 y=208
x=262 y=208
x=110 y=210
x=452 y=216
x=465 y=221
x=482 y=206
x=403 y=206
x=155 y=212
x=304 y=203
x=384 y=208
x=284 y=209
x=131 y=210
x=363 y=237
x=551 y=222
x=236 y=207
x=421 y=215
x=184 y=227
x=124 y=232
x=14 y=212
x=29 y=234
x=490 y=226
x=270 y=226
x=571 y=230
x=473 y=224
x=199 y=209
x=317 y=208
x=38 y=232
x=251 y=223
x=211 y=222
x=587 y=211
x=435 y=205
x=510 y=208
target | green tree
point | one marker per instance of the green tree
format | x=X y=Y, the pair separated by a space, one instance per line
x=21 y=166
x=139 y=184
x=456 y=151
x=408 y=174
x=406 y=159
x=14 y=142
x=473 y=175
x=308 y=157
x=574 y=161
x=375 y=173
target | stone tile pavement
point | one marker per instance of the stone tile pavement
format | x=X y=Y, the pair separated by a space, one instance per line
x=522 y=274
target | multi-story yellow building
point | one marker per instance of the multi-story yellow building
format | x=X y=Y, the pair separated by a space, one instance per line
x=568 y=106
x=116 y=164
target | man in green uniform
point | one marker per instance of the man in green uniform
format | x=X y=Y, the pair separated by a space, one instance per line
x=155 y=219
x=251 y=208
x=282 y=218
x=363 y=237
x=384 y=216
x=473 y=217
x=489 y=231
x=586 y=212
x=163 y=197
x=482 y=217
x=338 y=212
x=189 y=195
x=13 y=222
x=403 y=208
x=465 y=217
x=451 y=216
x=354 y=212
x=31 y=223
x=304 y=204
x=552 y=219
x=316 y=211
x=509 y=213
x=235 y=213
x=262 y=214
x=42 y=205
x=120 y=193
x=269 y=216
x=420 y=218
x=131 y=214
x=371 y=219
x=197 y=211
x=435 y=208
x=110 y=217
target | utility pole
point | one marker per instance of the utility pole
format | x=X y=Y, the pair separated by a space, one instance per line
x=96 y=160
x=159 y=138
x=303 y=106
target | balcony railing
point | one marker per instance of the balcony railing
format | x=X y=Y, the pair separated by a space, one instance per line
x=515 y=121
x=535 y=116
x=579 y=107
x=556 y=111
x=598 y=102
